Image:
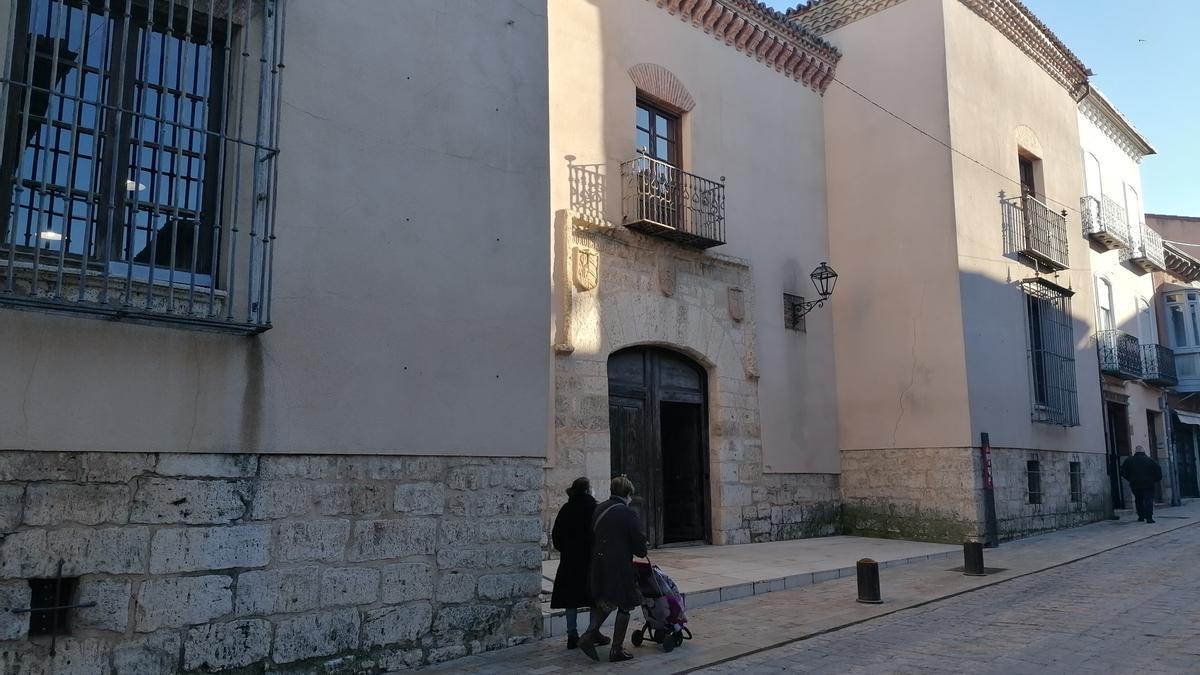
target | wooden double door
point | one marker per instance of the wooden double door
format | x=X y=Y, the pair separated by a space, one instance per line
x=658 y=425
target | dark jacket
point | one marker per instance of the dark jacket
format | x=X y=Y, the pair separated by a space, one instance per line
x=618 y=537
x=1141 y=471
x=572 y=537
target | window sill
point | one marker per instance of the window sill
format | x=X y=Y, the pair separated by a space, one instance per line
x=115 y=297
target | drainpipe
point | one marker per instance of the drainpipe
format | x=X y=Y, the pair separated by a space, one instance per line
x=1172 y=462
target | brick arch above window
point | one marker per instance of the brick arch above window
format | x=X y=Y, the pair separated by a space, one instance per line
x=661 y=84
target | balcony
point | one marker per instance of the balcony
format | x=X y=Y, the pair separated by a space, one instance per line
x=1158 y=366
x=1147 y=252
x=1120 y=354
x=1104 y=222
x=1033 y=230
x=661 y=200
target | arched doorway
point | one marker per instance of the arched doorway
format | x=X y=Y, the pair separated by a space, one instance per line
x=659 y=438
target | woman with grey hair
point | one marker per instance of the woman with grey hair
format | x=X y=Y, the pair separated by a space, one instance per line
x=617 y=538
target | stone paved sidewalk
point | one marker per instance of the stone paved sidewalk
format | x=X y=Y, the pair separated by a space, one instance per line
x=712 y=574
x=741 y=627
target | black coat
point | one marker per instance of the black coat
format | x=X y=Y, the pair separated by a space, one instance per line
x=1141 y=471
x=572 y=537
x=618 y=538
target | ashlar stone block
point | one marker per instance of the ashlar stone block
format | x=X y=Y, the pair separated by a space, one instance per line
x=349 y=586
x=194 y=502
x=220 y=646
x=182 y=601
x=407 y=581
x=312 y=635
x=278 y=591
x=58 y=503
x=397 y=625
x=209 y=548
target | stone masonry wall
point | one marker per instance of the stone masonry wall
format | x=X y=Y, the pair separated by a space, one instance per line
x=313 y=564
x=1018 y=518
x=936 y=494
x=927 y=494
x=623 y=288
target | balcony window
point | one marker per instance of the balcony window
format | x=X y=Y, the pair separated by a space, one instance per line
x=657 y=133
x=139 y=160
x=1051 y=352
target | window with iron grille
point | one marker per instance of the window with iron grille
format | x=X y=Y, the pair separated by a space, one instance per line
x=1076 y=470
x=1051 y=352
x=139 y=157
x=1033 y=480
x=793 y=312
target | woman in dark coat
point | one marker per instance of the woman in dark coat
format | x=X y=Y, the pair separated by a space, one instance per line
x=618 y=538
x=572 y=538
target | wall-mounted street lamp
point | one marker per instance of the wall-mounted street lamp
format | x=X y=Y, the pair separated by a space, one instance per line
x=824 y=279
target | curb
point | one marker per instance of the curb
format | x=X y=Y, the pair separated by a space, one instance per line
x=923 y=603
x=554 y=624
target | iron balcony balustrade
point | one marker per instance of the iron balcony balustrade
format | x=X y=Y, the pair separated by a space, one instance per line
x=1147 y=251
x=1104 y=222
x=664 y=201
x=1120 y=354
x=138 y=179
x=1158 y=366
x=1035 y=231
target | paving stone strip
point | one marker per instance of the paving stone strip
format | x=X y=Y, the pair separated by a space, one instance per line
x=751 y=625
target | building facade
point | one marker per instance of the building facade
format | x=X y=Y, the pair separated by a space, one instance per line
x=966 y=221
x=688 y=207
x=1137 y=369
x=344 y=463
x=1178 y=302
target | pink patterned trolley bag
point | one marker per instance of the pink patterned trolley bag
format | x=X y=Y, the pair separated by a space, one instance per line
x=662 y=606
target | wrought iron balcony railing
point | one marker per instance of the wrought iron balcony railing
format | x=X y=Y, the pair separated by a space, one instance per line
x=1104 y=221
x=662 y=200
x=1158 y=366
x=1120 y=354
x=1146 y=252
x=1034 y=230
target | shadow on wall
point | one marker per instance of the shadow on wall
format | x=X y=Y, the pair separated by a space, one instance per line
x=588 y=183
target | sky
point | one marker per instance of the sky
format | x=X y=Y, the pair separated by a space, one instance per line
x=1146 y=58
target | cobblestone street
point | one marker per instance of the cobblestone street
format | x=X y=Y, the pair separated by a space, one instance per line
x=1112 y=597
x=1130 y=610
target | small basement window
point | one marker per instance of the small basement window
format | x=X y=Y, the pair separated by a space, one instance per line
x=1076 y=482
x=48 y=600
x=1033 y=477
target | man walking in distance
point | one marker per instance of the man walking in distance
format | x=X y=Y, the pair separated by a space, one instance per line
x=1142 y=473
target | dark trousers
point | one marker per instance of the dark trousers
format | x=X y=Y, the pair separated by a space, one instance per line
x=1144 y=501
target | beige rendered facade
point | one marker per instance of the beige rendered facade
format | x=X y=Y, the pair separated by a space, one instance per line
x=1137 y=366
x=962 y=346
x=362 y=481
x=746 y=449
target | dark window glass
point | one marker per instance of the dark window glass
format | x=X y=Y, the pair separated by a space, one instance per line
x=657 y=133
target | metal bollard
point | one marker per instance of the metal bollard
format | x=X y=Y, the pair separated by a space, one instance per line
x=868 y=582
x=973 y=558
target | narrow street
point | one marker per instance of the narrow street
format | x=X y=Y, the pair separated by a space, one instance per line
x=1129 y=610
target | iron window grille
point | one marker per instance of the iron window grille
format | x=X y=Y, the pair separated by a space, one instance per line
x=1076 y=477
x=1051 y=352
x=1033 y=480
x=140 y=155
x=793 y=312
